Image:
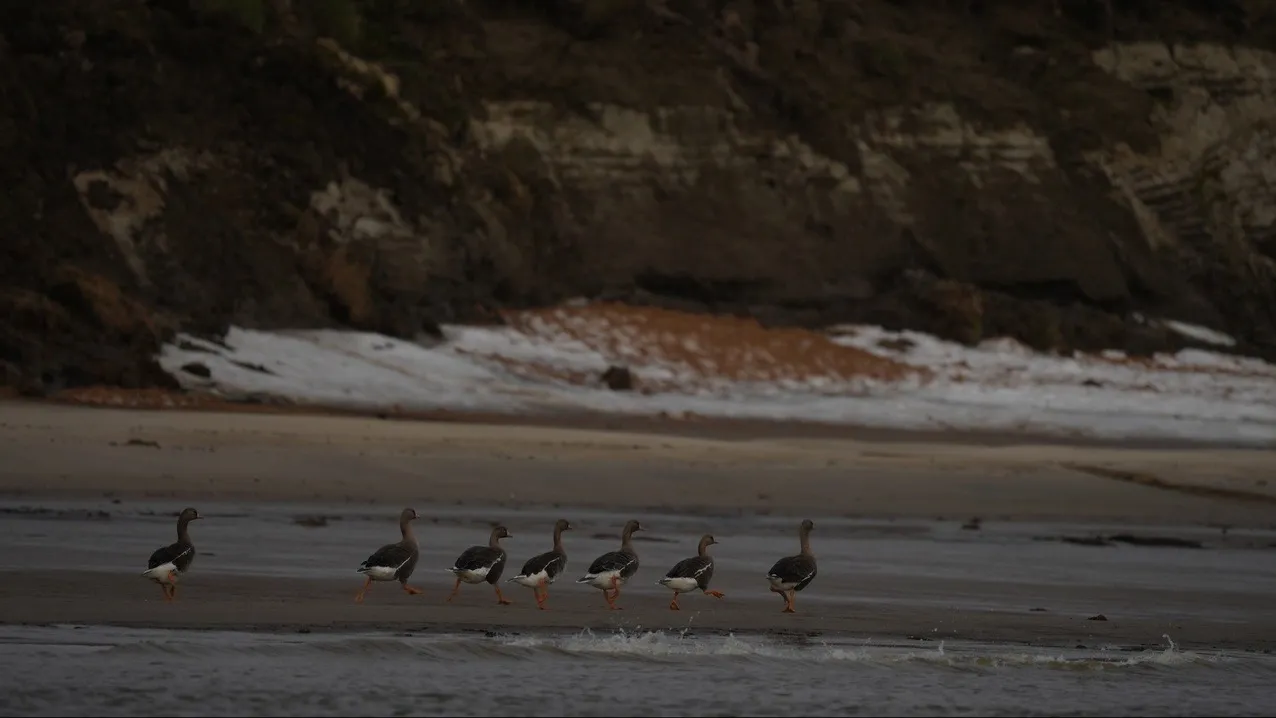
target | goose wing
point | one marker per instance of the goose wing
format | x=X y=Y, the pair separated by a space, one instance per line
x=391 y=555
x=476 y=558
x=797 y=570
x=619 y=561
x=693 y=567
x=171 y=553
x=551 y=563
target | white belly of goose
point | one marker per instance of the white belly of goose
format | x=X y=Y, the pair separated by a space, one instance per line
x=532 y=580
x=682 y=584
x=380 y=573
x=474 y=575
x=163 y=573
x=603 y=580
x=780 y=584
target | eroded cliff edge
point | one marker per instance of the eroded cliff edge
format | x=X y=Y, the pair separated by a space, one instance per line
x=1036 y=168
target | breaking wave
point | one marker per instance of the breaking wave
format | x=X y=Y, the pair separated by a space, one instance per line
x=98 y=670
x=670 y=647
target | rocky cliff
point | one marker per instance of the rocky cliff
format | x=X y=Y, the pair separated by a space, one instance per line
x=1052 y=170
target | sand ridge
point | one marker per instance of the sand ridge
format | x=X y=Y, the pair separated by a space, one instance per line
x=64 y=450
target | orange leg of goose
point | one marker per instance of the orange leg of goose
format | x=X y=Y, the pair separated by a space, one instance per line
x=412 y=590
x=542 y=594
x=164 y=588
x=715 y=594
x=788 y=602
x=499 y=598
x=673 y=605
x=358 y=597
x=615 y=594
x=455 y=590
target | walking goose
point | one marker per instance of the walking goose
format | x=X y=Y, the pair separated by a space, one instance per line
x=542 y=570
x=794 y=573
x=482 y=563
x=168 y=562
x=614 y=568
x=692 y=573
x=395 y=561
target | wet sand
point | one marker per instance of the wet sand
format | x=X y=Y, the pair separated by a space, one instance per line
x=55 y=450
x=262 y=604
x=937 y=582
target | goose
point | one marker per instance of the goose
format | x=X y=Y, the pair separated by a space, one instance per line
x=542 y=570
x=482 y=563
x=168 y=562
x=794 y=573
x=395 y=561
x=692 y=573
x=614 y=568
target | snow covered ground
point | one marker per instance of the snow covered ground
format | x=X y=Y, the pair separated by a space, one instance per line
x=682 y=364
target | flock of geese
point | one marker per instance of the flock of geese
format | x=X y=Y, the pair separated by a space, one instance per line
x=485 y=564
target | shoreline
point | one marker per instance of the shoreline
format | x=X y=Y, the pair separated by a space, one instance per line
x=527 y=475
x=262 y=605
x=693 y=425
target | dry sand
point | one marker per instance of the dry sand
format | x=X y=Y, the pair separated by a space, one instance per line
x=66 y=451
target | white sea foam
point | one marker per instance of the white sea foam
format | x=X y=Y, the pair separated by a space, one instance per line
x=130 y=672
x=673 y=645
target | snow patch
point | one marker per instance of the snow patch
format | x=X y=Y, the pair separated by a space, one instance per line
x=1199 y=333
x=911 y=380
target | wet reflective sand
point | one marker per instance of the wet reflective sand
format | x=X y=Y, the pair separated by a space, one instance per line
x=911 y=612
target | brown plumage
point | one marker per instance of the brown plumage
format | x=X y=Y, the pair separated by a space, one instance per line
x=794 y=573
x=482 y=563
x=166 y=563
x=543 y=569
x=613 y=569
x=692 y=573
x=395 y=561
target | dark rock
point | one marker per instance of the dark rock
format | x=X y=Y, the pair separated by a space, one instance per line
x=252 y=366
x=197 y=369
x=1167 y=541
x=1086 y=540
x=100 y=195
x=189 y=346
x=899 y=345
x=1099 y=617
x=618 y=378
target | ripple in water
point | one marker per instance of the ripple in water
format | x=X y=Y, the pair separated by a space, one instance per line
x=102 y=671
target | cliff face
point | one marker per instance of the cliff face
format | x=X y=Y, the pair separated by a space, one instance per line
x=1039 y=169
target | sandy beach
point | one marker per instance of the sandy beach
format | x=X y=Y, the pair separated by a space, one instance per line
x=67 y=451
x=895 y=560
